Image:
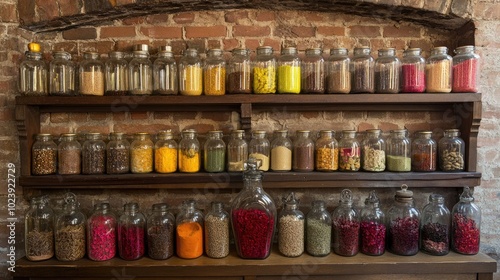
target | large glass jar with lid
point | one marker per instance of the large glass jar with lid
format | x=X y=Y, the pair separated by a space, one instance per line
x=190 y=73
x=214 y=73
x=264 y=71
x=101 y=233
x=141 y=153
x=237 y=151
x=291 y=227
x=338 y=74
x=318 y=230
x=189 y=152
x=281 y=151
x=465 y=75
x=140 y=72
x=412 y=71
x=289 y=66
x=91 y=77
x=373 y=151
x=259 y=149
x=466 y=224
x=217 y=231
x=93 y=154
x=451 y=151
x=116 y=74
x=131 y=230
x=349 y=152
x=39 y=230
x=165 y=80
x=423 y=152
x=166 y=152
x=435 y=226
x=438 y=71
x=387 y=68
x=239 y=72
x=398 y=151
x=62 y=74
x=33 y=72
x=69 y=155
x=43 y=155
x=117 y=154
x=345 y=226
x=362 y=71
x=189 y=231
x=214 y=157
x=70 y=231
x=303 y=152
x=372 y=227
x=327 y=151
x=160 y=232
x=313 y=72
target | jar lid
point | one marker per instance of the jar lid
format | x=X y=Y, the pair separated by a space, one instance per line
x=346 y=197
x=259 y=132
x=165 y=49
x=141 y=47
x=467 y=47
x=441 y=49
x=425 y=132
x=290 y=200
x=372 y=198
x=102 y=206
x=264 y=48
x=404 y=192
x=65 y=54
x=467 y=195
x=34 y=47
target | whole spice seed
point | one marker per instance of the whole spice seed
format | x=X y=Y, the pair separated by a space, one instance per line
x=264 y=80
x=464 y=76
x=215 y=81
x=216 y=237
x=466 y=235
x=141 y=160
x=339 y=81
x=215 y=160
x=318 y=238
x=44 y=161
x=94 y=161
x=372 y=238
x=192 y=84
x=92 y=83
x=303 y=158
x=102 y=239
x=281 y=159
x=70 y=243
x=387 y=81
x=403 y=236
x=452 y=160
x=313 y=83
x=327 y=159
x=435 y=238
x=398 y=163
x=165 y=160
x=349 y=159
x=118 y=161
x=438 y=77
x=423 y=161
x=69 y=161
x=39 y=245
x=254 y=230
x=373 y=159
x=346 y=237
x=189 y=240
x=161 y=241
x=291 y=236
x=239 y=82
x=131 y=242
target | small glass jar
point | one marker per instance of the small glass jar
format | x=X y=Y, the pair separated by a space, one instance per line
x=398 y=151
x=338 y=74
x=39 y=230
x=438 y=71
x=465 y=70
x=214 y=73
x=33 y=72
x=387 y=68
x=91 y=78
x=190 y=73
x=62 y=75
x=423 y=152
x=435 y=226
x=372 y=228
x=141 y=153
x=93 y=154
x=116 y=73
x=373 y=151
x=281 y=151
x=264 y=71
x=412 y=71
x=466 y=225
x=237 y=151
x=362 y=71
x=69 y=155
x=160 y=230
x=318 y=230
x=239 y=72
x=131 y=230
x=349 y=152
x=313 y=72
x=345 y=226
x=117 y=154
x=189 y=231
x=70 y=232
x=451 y=151
x=101 y=233
x=291 y=227
x=303 y=152
x=327 y=151
x=259 y=149
x=140 y=72
x=166 y=152
x=289 y=71
x=214 y=157
x=165 y=81
x=189 y=152
x=44 y=155
x=217 y=232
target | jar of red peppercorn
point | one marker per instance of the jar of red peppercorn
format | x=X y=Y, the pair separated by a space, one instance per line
x=465 y=70
x=160 y=230
x=423 y=152
x=189 y=231
x=435 y=226
x=466 y=224
x=349 y=152
x=131 y=228
x=345 y=226
x=101 y=233
x=318 y=230
x=291 y=228
x=372 y=229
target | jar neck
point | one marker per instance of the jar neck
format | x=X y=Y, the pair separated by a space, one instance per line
x=160 y=208
x=217 y=207
x=215 y=53
x=303 y=134
x=318 y=205
x=116 y=55
x=264 y=50
x=281 y=133
x=165 y=136
x=33 y=56
x=387 y=52
x=215 y=135
x=68 y=137
x=348 y=134
x=238 y=134
x=166 y=54
x=373 y=133
x=464 y=50
x=191 y=53
x=141 y=136
x=188 y=135
x=62 y=55
x=131 y=208
x=425 y=135
x=116 y=136
x=259 y=135
x=44 y=137
x=412 y=52
x=439 y=51
x=362 y=51
x=241 y=52
x=289 y=51
x=451 y=133
x=399 y=133
x=94 y=136
x=339 y=52
x=92 y=55
x=313 y=52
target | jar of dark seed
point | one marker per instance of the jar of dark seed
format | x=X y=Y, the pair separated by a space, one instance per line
x=387 y=68
x=239 y=72
x=165 y=81
x=214 y=152
x=349 y=152
x=217 y=232
x=303 y=152
x=44 y=155
x=160 y=230
x=116 y=74
x=131 y=230
x=345 y=226
x=69 y=155
x=338 y=74
x=451 y=151
x=466 y=225
x=62 y=74
x=39 y=230
x=372 y=228
x=398 y=151
x=313 y=72
x=237 y=151
x=281 y=151
x=94 y=154
x=140 y=72
x=362 y=71
x=70 y=231
x=327 y=151
x=91 y=78
x=117 y=154
x=291 y=227
x=373 y=151
x=101 y=233
x=259 y=149
x=318 y=230
x=435 y=226
x=141 y=153
x=423 y=152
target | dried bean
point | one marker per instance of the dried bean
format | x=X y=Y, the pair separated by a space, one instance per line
x=216 y=237
x=319 y=237
x=291 y=236
x=161 y=241
x=44 y=161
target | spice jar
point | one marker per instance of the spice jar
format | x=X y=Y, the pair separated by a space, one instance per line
x=373 y=151
x=403 y=221
x=412 y=71
x=398 y=151
x=117 y=154
x=338 y=74
x=239 y=72
x=264 y=71
x=291 y=223
x=362 y=71
x=101 y=233
x=165 y=80
x=131 y=227
x=43 y=155
x=91 y=78
x=372 y=227
x=189 y=231
x=166 y=151
x=69 y=155
x=116 y=74
x=253 y=216
x=313 y=72
x=465 y=70
x=141 y=153
x=281 y=151
x=423 y=152
x=237 y=151
x=214 y=152
x=258 y=148
x=160 y=230
x=214 y=73
x=303 y=152
x=70 y=231
x=33 y=72
x=435 y=226
x=451 y=151
x=39 y=230
x=189 y=152
x=438 y=71
x=140 y=72
x=466 y=225
x=318 y=230
x=289 y=71
x=217 y=232
x=345 y=226
x=62 y=75
x=350 y=152
x=327 y=151
x=190 y=73
x=387 y=67
x=93 y=154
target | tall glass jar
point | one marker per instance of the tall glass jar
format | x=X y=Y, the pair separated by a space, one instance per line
x=318 y=230
x=237 y=151
x=465 y=70
x=313 y=72
x=165 y=81
x=117 y=154
x=291 y=227
x=70 y=232
x=190 y=73
x=345 y=226
x=160 y=231
x=372 y=227
x=131 y=230
x=91 y=77
x=93 y=154
x=362 y=71
x=412 y=71
x=451 y=151
x=189 y=231
x=189 y=152
x=217 y=231
x=349 y=152
x=398 y=151
x=281 y=151
x=289 y=66
x=259 y=148
x=141 y=153
x=39 y=230
x=140 y=73
x=69 y=155
x=423 y=152
x=62 y=74
x=43 y=155
x=214 y=73
x=101 y=233
x=264 y=71
x=466 y=225
x=239 y=72
x=438 y=71
x=303 y=152
x=116 y=74
x=338 y=74
x=435 y=226
x=327 y=151
x=214 y=152
x=166 y=152
x=33 y=72
x=387 y=68
x=373 y=151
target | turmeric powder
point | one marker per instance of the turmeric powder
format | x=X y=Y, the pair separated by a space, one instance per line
x=189 y=240
x=165 y=160
x=189 y=160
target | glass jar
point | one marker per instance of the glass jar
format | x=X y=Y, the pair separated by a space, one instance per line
x=91 y=78
x=373 y=151
x=423 y=152
x=93 y=154
x=253 y=216
x=69 y=155
x=189 y=231
x=338 y=74
x=349 y=152
x=313 y=72
x=237 y=151
x=303 y=152
x=465 y=70
x=189 y=152
x=217 y=232
x=289 y=71
x=403 y=221
x=165 y=81
x=101 y=233
x=131 y=229
x=166 y=151
x=412 y=71
x=117 y=154
x=43 y=155
x=140 y=73
x=281 y=151
x=435 y=226
x=258 y=148
x=318 y=230
x=160 y=230
x=398 y=151
x=451 y=151
x=372 y=227
x=116 y=74
x=141 y=153
x=362 y=71
x=291 y=224
x=466 y=225
x=387 y=67
x=438 y=71
x=214 y=73
x=239 y=72
x=264 y=71
x=190 y=73
x=327 y=151
x=345 y=226
x=70 y=232
x=33 y=72
x=39 y=230
x=214 y=152
x=62 y=74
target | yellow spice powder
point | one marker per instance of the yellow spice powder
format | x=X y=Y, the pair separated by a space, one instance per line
x=189 y=160
x=165 y=160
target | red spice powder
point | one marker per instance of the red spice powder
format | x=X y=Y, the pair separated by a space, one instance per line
x=102 y=238
x=346 y=237
x=372 y=238
x=465 y=235
x=131 y=242
x=253 y=232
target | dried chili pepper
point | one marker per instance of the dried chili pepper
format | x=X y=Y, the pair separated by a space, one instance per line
x=465 y=235
x=372 y=238
x=253 y=231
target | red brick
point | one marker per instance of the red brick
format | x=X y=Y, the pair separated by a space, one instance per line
x=303 y=31
x=162 y=115
x=251 y=31
x=134 y=21
x=331 y=30
x=205 y=31
x=183 y=18
x=8 y=13
x=311 y=114
x=412 y=127
x=424 y=44
x=401 y=31
x=314 y=16
x=263 y=15
x=149 y=128
x=78 y=117
x=6 y=114
x=214 y=44
x=103 y=128
x=127 y=45
x=119 y=116
x=385 y=126
x=117 y=32
x=47 y=10
x=365 y=31
x=26 y=10
x=99 y=46
x=200 y=128
x=236 y=16
x=399 y=45
x=69 y=7
x=162 y=32
x=274 y=43
x=139 y=115
x=179 y=116
x=94 y=116
x=83 y=33
x=252 y=44
x=364 y=126
x=230 y=44
x=70 y=47
x=216 y=116
x=59 y=117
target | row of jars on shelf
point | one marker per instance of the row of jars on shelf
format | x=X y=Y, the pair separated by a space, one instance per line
x=281 y=154
x=263 y=75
